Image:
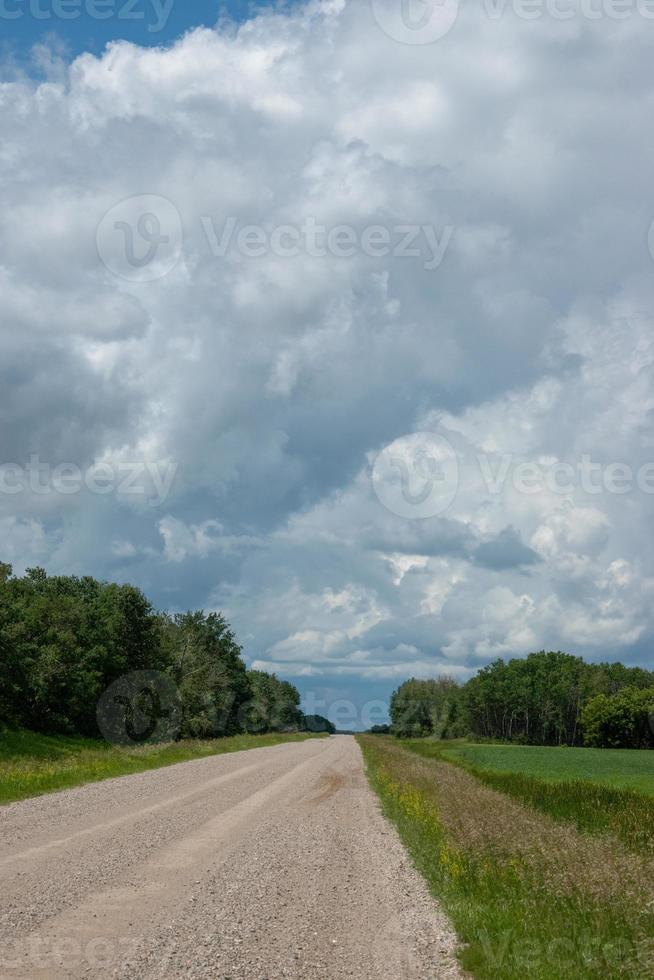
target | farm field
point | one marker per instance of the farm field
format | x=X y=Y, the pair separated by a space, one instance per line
x=32 y=764
x=631 y=769
x=530 y=893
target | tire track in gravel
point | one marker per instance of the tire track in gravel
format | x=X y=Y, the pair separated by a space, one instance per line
x=108 y=825
x=76 y=849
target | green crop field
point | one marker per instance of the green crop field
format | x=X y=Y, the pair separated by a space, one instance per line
x=631 y=769
x=32 y=764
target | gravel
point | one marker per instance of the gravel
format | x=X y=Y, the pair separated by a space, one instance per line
x=270 y=863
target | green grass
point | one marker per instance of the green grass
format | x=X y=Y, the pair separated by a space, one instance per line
x=32 y=764
x=527 y=897
x=581 y=786
x=631 y=769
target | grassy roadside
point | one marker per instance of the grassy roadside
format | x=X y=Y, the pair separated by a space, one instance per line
x=527 y=896
x=549 y=779
x=32 y=764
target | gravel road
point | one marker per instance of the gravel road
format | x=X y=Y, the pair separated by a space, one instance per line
x=268 y=863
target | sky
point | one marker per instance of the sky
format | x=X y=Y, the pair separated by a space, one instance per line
x=73 y=27
x=336 y=318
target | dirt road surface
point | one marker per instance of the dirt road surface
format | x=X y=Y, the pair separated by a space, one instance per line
x=268 y=863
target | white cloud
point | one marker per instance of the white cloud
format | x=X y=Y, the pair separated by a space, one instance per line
x=272 y=383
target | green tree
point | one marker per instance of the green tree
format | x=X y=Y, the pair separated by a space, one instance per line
x=620 y=721
x=66 y=640
x=424 y=707
x=207 y=666
x=318 y=723
x=272 y=706
x=539 y=699
x=536 y=700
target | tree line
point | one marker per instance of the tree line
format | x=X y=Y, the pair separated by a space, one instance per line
x=547 y=698
x=78 y=656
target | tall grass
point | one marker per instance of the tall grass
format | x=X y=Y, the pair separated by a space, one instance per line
x=528 y=898
x=591 y=807
x=32 y=764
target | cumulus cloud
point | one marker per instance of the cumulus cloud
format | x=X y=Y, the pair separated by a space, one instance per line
x=272 y=376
